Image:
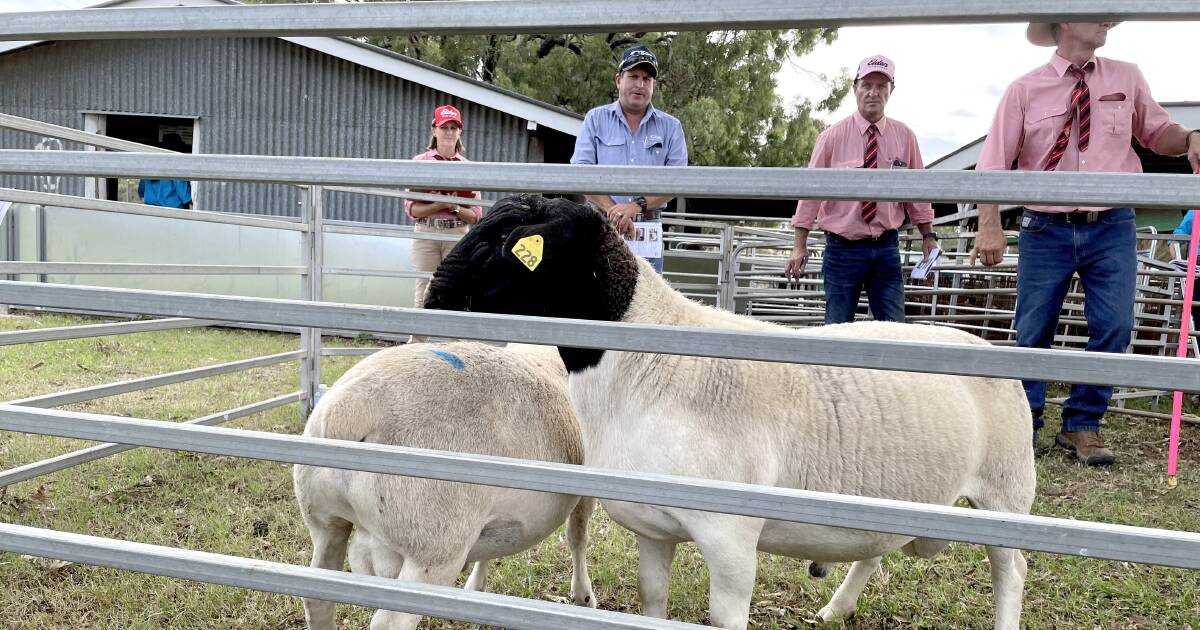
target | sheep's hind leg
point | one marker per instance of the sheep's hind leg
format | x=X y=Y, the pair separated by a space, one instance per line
x=730 y=549
x=845 y=599
x=654 y=575
x=478 y=579
x=1008 y=584
x=413 y=571
x=329 y=552
x=577 y=540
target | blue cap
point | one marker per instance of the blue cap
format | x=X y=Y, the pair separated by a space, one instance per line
x=636 y=56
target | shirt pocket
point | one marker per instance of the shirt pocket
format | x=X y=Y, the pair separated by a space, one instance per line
x=652 y=146
x=1115 y=118
x=1047 y=120
x=610 y=150
x=848 y=163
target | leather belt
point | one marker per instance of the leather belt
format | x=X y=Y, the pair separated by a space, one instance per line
x=444 y=224
x=1074 y=218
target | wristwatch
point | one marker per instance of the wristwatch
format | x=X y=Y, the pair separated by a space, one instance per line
x=932 y=235
x=641 y=202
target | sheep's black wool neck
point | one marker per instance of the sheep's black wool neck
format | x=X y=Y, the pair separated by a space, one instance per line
x=605 y=298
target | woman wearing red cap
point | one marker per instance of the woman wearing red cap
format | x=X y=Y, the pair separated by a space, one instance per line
x=445 y=144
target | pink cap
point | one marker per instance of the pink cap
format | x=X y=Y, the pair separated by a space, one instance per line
x=445 y=114
x=876 y=63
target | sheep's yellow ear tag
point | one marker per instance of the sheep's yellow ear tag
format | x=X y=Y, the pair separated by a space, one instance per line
x=529 y=251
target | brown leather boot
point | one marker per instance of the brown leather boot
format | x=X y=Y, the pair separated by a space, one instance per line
x=1088 y=447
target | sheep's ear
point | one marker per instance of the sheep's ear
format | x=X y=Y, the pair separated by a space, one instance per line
x=538 y=248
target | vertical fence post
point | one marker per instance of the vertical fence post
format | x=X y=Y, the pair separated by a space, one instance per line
x=312 y=251
x=726 y=270
x=8 y=218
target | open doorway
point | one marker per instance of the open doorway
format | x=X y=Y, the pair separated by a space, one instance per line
x=167 y=132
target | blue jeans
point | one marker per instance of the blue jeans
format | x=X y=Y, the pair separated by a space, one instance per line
x=1104 y=254
x=873 y=264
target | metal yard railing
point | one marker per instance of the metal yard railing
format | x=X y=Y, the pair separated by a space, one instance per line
x=737 y=251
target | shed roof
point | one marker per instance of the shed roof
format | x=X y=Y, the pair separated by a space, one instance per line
x=397 y=65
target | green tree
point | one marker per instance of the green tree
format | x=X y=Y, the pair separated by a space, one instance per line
x=721 y=84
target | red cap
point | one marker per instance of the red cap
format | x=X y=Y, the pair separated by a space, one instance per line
x=445 y=114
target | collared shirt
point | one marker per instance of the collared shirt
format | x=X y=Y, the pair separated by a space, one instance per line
x=843 y=146
x=606 y=140
x=1035 y=108
x=166 y=193
x=432 y=154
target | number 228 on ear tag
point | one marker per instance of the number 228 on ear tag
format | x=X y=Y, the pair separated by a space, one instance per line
x=529 y=251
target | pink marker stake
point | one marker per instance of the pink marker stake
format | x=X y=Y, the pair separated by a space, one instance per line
x=1181 y=352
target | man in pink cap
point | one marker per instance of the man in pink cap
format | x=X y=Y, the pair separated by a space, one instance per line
x=1078 y=112
x=861 y=238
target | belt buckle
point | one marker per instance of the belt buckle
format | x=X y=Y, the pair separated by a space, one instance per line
x=1082 y=217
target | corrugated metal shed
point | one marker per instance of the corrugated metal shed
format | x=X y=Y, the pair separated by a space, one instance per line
x=264 y=97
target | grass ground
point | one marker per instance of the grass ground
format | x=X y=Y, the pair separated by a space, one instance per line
x=246 y=508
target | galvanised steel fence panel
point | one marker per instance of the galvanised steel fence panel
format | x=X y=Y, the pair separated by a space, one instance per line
x=1018 y=531
x=1017 y=187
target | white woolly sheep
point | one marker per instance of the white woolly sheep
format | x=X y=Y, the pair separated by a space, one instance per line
x=915 y=437
x=464 y=397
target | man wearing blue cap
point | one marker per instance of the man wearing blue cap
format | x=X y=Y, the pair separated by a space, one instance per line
x=631 y=132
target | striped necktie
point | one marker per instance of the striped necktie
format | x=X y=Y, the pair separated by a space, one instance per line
x=1081 y=108
x=870 y=160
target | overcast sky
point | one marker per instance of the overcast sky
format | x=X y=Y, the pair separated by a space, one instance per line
x=948 y=78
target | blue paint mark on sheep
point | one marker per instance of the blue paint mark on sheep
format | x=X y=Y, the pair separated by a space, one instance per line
x=448 y=357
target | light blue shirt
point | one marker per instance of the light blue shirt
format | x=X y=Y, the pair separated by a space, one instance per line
x=1185 y=226
x=605 y=140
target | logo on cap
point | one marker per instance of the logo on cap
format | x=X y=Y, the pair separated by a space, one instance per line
x=876 y=63
x=446 y=113
x=638 y=55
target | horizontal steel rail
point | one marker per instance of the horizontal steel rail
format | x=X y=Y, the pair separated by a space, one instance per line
x=1021 y=187
x=576 y=16
x=335 y=586
x=28 y=125
x=95 y=268
x=1038 y=533
x=375 y=273
x=39 y=128
x=414 y=196
x=100 y=451
x=39 y=335
x=69 y=201
x=348 y=352
x=790 y=347
x=73 y=396
x=384 y=230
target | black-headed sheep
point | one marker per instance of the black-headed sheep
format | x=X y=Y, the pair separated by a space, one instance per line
x=914 y=437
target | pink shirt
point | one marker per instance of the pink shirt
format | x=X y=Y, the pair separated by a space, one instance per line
x=1034 y=109
x=432 y=154
x=843 y=146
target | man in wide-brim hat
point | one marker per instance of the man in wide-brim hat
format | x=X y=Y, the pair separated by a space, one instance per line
x=1077 y=113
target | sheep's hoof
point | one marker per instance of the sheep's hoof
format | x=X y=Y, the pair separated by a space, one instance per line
x=588 y=599
x=829 y=615
x=819 y=569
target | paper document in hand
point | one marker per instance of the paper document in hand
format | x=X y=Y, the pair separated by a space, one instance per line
x=921 y=270
x=647 y=239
